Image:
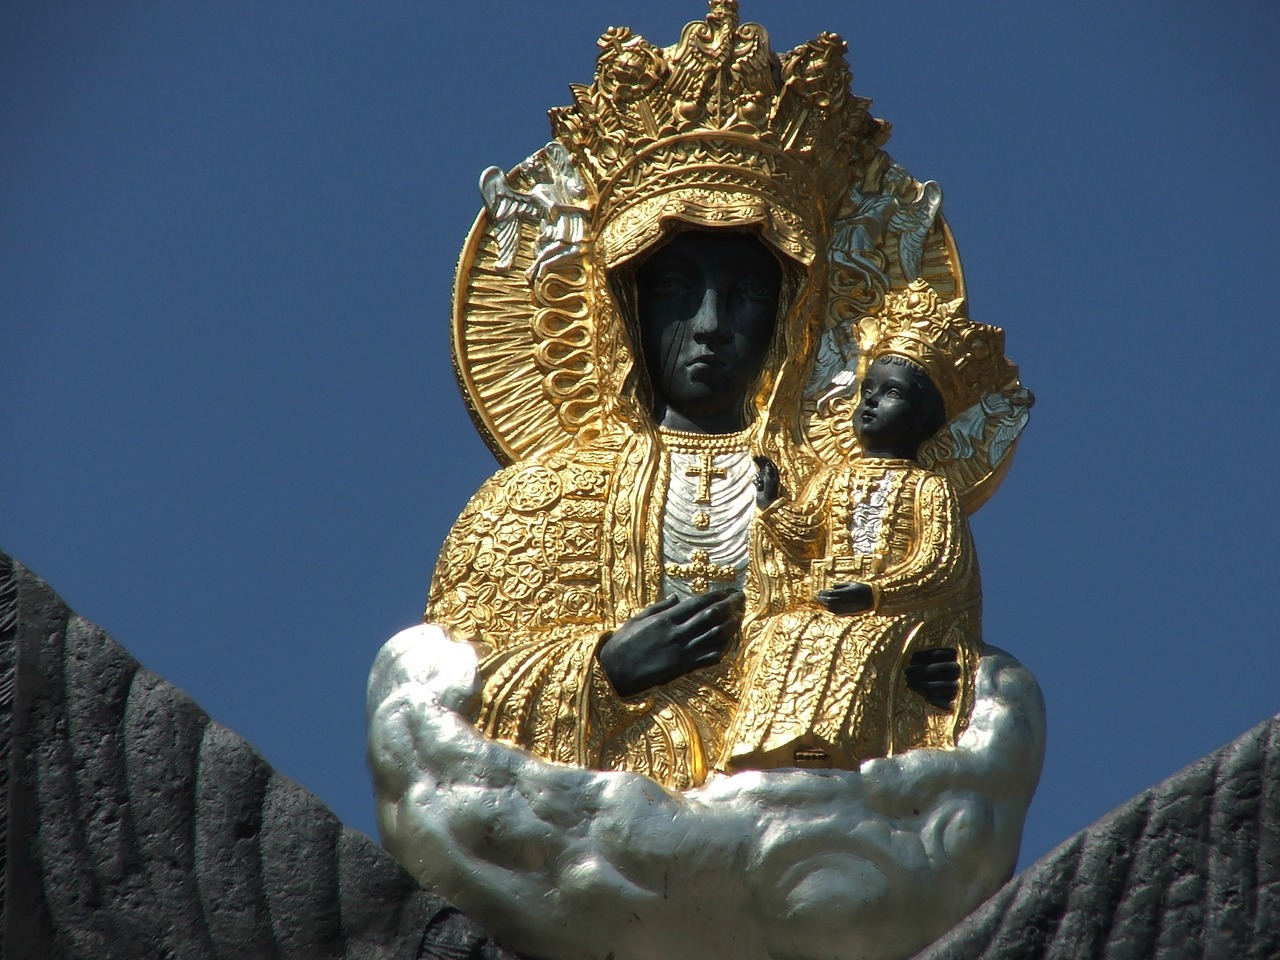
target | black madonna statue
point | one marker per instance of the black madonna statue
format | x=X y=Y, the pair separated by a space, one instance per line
x=701 y=573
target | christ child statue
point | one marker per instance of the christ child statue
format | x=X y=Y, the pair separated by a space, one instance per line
x=879 y=656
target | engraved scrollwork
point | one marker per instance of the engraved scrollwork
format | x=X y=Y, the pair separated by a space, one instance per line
x=563 y=348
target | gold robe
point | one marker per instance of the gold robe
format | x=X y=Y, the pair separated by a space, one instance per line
x=546 y=560
x=824 y=689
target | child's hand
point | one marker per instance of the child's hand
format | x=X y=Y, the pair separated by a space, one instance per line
x=935 y=675
x=768 y=484
x=847 y=598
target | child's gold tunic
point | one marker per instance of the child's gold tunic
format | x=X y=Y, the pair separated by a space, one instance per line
x=825 y=689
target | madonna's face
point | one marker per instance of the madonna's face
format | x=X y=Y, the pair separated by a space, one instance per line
x=707 y=302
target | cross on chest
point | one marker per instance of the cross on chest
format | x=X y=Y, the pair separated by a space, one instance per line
x=705 y=471
x=701 y=572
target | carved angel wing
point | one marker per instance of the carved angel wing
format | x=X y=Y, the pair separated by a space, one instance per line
x=507 y=207
x=1010 y=426
x=912 y=222
x=966 y=429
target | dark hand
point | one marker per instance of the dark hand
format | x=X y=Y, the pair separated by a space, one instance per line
x=847 y=598
x=669 y=639
x=768 y=484
x=935 y=675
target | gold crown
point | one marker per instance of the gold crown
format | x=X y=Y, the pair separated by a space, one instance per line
x=718 y=130
x=964 y=359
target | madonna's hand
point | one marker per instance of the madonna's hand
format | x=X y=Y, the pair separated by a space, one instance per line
x=669 y=639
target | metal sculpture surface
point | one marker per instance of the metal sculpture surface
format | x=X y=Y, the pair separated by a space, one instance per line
x=705 y=559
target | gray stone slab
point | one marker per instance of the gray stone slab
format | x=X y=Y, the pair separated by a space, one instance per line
x=134 y=826
x=1187 y=869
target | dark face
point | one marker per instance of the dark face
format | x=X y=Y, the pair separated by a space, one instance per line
x=893 y=414
x=707 y=303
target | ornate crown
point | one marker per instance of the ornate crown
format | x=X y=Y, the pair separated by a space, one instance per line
x=718 y=130
x=964 y=359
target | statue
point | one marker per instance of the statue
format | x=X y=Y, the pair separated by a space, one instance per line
x=892 y=568
x=699 y=571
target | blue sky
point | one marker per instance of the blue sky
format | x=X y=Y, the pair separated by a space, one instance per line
x=231 y=432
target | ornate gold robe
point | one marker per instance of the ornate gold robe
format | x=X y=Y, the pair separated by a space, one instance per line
x=544 y=562
x=824 y=689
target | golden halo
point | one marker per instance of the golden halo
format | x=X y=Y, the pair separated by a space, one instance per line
x=495 y=360
x=965 y=459
x=493 y=349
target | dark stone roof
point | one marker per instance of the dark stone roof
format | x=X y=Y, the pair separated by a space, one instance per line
x=1189 y=868
x=134 y=826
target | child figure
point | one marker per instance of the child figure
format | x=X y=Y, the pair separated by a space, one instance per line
x=879 y=655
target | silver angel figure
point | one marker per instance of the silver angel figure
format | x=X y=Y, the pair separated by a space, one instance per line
x=555 y=202
x=1010 y=413
x=900 y=210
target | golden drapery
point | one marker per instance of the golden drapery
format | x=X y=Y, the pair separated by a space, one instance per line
x=548 y=558
x=553 y=554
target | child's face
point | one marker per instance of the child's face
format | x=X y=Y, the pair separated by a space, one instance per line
x=889 y=411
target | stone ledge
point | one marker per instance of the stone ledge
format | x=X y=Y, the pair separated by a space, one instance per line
x=134 y=826
x=1189 y=868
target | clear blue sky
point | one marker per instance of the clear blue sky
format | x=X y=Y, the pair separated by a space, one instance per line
x=230 y=429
